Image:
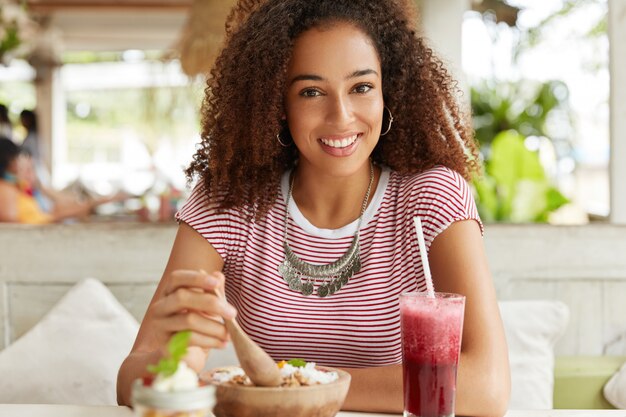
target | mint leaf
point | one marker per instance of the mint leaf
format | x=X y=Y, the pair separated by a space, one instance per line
x=176 y=348
x=166 y=367
x=154 y=369
x=298 y=363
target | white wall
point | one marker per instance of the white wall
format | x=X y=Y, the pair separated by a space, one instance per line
x=584 y=267
x=617 y=40
x=441 y=22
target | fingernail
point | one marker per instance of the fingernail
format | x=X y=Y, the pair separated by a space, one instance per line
x=229 y=311
x=211 y=281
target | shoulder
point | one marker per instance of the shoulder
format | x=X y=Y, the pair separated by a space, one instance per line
x=9 y=196
x=439 y=180
x=8 y=190
x=203 y=206
x=440 y=196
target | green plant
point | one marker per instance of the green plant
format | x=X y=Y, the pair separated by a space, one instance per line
x=524 y=106
x=512 y=116
x=515 y=186
x=16 y=30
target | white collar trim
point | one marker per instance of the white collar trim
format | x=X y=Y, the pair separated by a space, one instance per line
x=345 y=231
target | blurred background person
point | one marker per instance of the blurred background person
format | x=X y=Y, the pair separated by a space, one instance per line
x=32 y=146
x=16 y=204
x=18 y=196
x=6 y=128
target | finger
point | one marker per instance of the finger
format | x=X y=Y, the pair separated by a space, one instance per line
x=207 y=342
x=187 y=299
x=177 y=303
x=196 y=357
x=201 y=341
x=184 y=278
x=220 y=289
x=218 y=275
x=196 y=324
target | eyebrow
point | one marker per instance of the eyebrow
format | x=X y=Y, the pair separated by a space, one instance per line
x=313 y=77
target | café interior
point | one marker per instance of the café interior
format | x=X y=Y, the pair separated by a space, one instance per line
x=560 y=287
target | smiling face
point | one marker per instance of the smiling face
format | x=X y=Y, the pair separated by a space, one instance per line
x=334 y=102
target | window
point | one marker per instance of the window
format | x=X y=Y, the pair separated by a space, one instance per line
x=549 y=73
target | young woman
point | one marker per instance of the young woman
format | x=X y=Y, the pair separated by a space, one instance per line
x=328 y=126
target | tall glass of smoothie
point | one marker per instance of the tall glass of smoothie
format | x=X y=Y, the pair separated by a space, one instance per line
x=431 y=344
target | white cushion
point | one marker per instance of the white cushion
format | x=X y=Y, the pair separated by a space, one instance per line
x=73 y=354
x=615 y=389
x=532 y=329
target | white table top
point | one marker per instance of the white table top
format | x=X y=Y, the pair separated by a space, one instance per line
x=45 y=410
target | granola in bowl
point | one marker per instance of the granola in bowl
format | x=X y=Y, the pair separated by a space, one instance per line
x=295 y=373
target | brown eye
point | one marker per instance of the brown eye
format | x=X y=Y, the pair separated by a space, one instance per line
x=310 y=92
x=363 y=88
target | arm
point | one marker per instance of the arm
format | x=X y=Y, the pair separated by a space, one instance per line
x=65 y=207
x=74 y=209
x=458 y=264
x=183 y=300
x=8 y=203
x=375 y=390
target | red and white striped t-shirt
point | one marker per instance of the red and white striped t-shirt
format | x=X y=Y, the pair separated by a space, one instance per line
x=358 y=326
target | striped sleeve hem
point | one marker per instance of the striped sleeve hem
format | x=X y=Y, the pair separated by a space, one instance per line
x=442 y=198
x=205 y=219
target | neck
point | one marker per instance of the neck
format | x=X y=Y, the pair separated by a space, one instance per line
x=329 y=201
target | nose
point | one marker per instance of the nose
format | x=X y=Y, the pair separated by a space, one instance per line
x=340 y=111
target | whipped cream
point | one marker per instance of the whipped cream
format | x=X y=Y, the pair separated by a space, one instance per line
x=183 y=379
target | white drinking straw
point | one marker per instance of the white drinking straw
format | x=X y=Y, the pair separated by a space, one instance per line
x=425 y=266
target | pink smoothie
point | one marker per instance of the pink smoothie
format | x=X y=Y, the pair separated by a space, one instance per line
x=431 y=342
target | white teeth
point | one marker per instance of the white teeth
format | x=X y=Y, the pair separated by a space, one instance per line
x=343 y=143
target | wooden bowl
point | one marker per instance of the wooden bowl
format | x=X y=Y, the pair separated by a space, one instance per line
x=323 y=400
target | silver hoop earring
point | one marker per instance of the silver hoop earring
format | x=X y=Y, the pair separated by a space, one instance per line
x=390 y=122
x=280 y=141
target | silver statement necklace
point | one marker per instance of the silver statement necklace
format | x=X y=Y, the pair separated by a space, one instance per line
x=302 y=276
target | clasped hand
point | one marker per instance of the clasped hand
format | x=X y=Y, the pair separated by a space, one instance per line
x=189 y=302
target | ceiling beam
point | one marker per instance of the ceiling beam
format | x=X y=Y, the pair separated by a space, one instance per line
x=48 y=6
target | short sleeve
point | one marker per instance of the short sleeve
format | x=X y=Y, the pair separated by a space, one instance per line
x=223 y=229
x=442 y=197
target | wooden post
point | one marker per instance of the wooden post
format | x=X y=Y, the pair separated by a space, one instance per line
x=617 y=104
